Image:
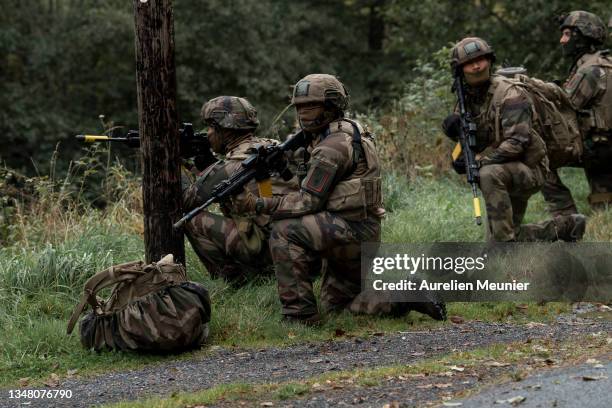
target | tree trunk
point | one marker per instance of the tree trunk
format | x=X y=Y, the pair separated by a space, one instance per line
x=158 y=127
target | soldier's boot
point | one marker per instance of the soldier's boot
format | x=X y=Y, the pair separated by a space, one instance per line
x=570 y=228
x=308 y=320
x=435 y=310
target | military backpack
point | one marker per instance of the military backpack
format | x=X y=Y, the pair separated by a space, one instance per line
x=150 y=308
x=555 y=118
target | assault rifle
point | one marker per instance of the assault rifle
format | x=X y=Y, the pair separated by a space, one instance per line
x=192 y=144
x=467 y=142
x=259 y=165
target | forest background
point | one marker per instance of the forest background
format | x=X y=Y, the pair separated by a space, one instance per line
x=65 y=62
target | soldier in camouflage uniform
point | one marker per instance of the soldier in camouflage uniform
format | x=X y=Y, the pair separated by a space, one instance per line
x=231 y=246
x=338 y=206
x=511 y=153
x=589 y=87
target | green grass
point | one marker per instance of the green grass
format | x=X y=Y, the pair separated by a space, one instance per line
x=42 y=273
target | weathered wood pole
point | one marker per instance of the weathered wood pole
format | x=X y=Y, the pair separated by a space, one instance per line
x=158 y=127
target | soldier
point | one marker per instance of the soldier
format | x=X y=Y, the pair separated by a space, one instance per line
x=511 y=153
x=231 y=246
x=589 y=87
x=338 y=206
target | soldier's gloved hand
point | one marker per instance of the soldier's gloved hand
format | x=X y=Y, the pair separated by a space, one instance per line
x=243 y=203
x=451 y=126
x=459 y=165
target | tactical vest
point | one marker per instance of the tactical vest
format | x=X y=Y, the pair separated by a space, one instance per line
x=490 y=117
x=596 y=119
x=360 y=192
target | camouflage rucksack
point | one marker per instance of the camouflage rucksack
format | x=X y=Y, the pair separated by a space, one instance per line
x=555 y=117
x=150 y=308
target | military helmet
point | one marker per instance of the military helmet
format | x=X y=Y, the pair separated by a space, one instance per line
x=230 y=112
x=322 y=88
x=469 y=49
x=589 y=24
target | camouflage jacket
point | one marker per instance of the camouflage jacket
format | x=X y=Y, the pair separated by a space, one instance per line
x=589 y=88
x=200 y=191
x=506 y=129
x=338 y=179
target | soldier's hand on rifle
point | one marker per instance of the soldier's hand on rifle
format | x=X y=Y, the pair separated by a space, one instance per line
x=459 y=165
x=451 y=126
x=243 y=203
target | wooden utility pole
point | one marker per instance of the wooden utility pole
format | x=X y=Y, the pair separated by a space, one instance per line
x=158 y=127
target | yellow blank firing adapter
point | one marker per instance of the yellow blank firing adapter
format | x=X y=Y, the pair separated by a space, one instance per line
x=477 y=213
x=92 y=138
x=265 y=188
x=456 y=151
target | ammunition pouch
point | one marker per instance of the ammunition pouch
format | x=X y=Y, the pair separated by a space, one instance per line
x=251 y=234
x=357 y=196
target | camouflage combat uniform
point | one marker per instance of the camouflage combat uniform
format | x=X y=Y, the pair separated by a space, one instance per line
x=589 y=87
x=512 y=155
x=338 y=207
x=231 y=246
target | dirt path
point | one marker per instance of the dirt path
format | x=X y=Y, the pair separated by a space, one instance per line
x=306 y=360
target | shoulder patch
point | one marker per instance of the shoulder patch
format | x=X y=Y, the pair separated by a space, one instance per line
x=319 y=179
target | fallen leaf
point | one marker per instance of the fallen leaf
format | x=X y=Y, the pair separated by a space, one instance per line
x=531 y=325
x=23 y=382
x=496 y=364
x=416 y=375
x=519 y=399
x=267 y=404
x=456 y=368
x=457 y=319
x=339 y=333
x=593 y=378
x=522 y=307
x=316 y=385
x=53 y=381
x=394 y=404
x=291 y=335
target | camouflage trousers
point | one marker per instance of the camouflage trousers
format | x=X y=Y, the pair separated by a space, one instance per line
x=298 y=247
x=506 y=189
x=559 y=198
x=223 y=250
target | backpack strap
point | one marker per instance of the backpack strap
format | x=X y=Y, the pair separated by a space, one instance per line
x=357 y=148
x=101 y=280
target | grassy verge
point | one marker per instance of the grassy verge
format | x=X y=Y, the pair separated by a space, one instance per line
x=520 y=358
x=42 y=273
